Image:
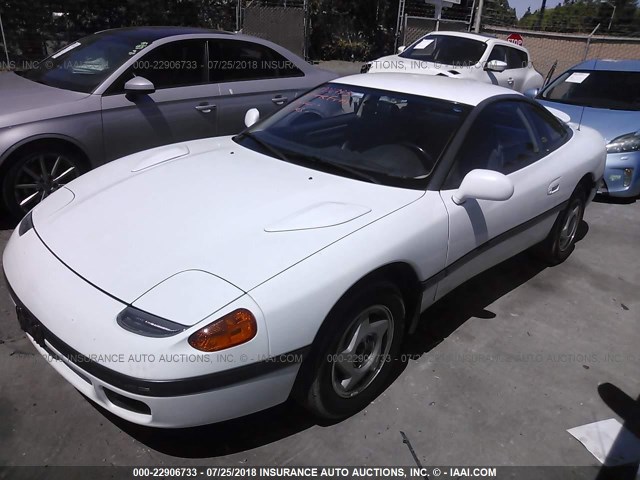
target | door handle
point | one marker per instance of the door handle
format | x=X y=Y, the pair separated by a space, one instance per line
x=205 y=108
x=510 y=81
x=553 y=188
x=279 y=100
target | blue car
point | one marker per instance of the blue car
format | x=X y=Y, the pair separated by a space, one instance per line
x=605 y=95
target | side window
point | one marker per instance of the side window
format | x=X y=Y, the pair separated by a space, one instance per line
x=500 y=139
x=499 y=52
x=175 y=64
x=238 y=60
x=549 y=132
x=517 y=58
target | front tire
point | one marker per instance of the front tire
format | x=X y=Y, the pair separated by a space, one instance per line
x=560 y=243
x=36 y=173
x=355 y=352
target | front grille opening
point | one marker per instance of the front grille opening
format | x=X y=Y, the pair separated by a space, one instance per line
x=127 y=403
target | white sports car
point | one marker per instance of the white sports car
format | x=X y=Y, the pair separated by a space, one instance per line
x=463 y=55
x=206 y=280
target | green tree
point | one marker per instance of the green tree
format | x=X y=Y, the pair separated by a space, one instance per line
x=499 y=13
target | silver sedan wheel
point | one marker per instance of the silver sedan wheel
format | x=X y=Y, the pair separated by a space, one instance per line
x=362 y=351
x=570 y=227
x=40 y=176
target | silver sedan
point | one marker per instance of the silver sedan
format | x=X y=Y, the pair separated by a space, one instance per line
x=125 y=90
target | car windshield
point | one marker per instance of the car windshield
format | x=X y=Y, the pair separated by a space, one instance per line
x=85 y=64
x=599 y=89
x=378 y=136
x=446 y=49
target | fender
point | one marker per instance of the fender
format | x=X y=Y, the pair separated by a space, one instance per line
x=46 y=136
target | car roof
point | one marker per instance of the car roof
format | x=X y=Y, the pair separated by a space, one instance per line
x=153 y=33
x=479 y=37
x=469 y=92
x=609 y=65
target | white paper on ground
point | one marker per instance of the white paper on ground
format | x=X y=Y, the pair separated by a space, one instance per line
x=609 y=442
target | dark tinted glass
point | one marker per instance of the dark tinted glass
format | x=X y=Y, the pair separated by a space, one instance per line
x=513 y=57
x=599 y=89
x=446 y=50
x=84 y=65
x=175 y=64
x=517 y=58
x=393 y=137
x=499 y=140
x=237 y=60
x=549 y=131
x=499 y=52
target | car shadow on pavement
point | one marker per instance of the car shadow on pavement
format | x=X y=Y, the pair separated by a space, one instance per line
x=629 y=411
x=436 y=324
x=614 y=200
x=472 y=298
x=219 y=439
x=7 y=222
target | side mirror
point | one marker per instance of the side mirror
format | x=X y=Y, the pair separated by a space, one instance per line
x=532 y=92
x=496 y=66
x=251 y=117
x=484 y=185
x=139 y=85
x=401 y=49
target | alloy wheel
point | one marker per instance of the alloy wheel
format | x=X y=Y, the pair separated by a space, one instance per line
x=362 y=351
x=570 y=227
x=40 y=176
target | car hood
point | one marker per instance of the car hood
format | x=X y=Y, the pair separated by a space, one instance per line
x=610 y=123
x=208 y=205
x=398 y=64
x=23 y=100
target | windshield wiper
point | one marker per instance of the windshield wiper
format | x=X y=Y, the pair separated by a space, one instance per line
x=356 y=172
x=264 y=145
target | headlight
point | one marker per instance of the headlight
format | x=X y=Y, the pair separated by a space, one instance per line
x=26 y=224
x=233 y=329
x=143 y=323
x=629 y=142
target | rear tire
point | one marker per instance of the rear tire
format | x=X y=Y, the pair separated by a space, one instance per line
x=354 y=353
x=36 y=173
x=560 y=242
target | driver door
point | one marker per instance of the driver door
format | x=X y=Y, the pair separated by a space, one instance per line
x=483 y=233
x=514 y=75
x=175 y=112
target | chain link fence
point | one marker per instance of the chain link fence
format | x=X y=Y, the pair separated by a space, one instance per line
x=323 y=29
x=567 y=49
x=36 y=28
x=416 y=18
x=283 y=22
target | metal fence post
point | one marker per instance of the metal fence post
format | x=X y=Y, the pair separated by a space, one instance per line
x=401 y=6
x=478 y=18
x=4 y=43
x=586 y=50
x=306 y=30
x=239 y=16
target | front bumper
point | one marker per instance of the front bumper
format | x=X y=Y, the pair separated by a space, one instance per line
x=615 y=175
x=60 y=304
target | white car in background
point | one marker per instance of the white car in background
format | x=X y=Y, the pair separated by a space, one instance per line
x=209 y=279
x=465 y=56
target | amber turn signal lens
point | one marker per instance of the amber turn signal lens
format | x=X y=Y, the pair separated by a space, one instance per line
x=233 y=329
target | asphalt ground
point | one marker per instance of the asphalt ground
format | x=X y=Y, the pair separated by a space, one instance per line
x=497 y=372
